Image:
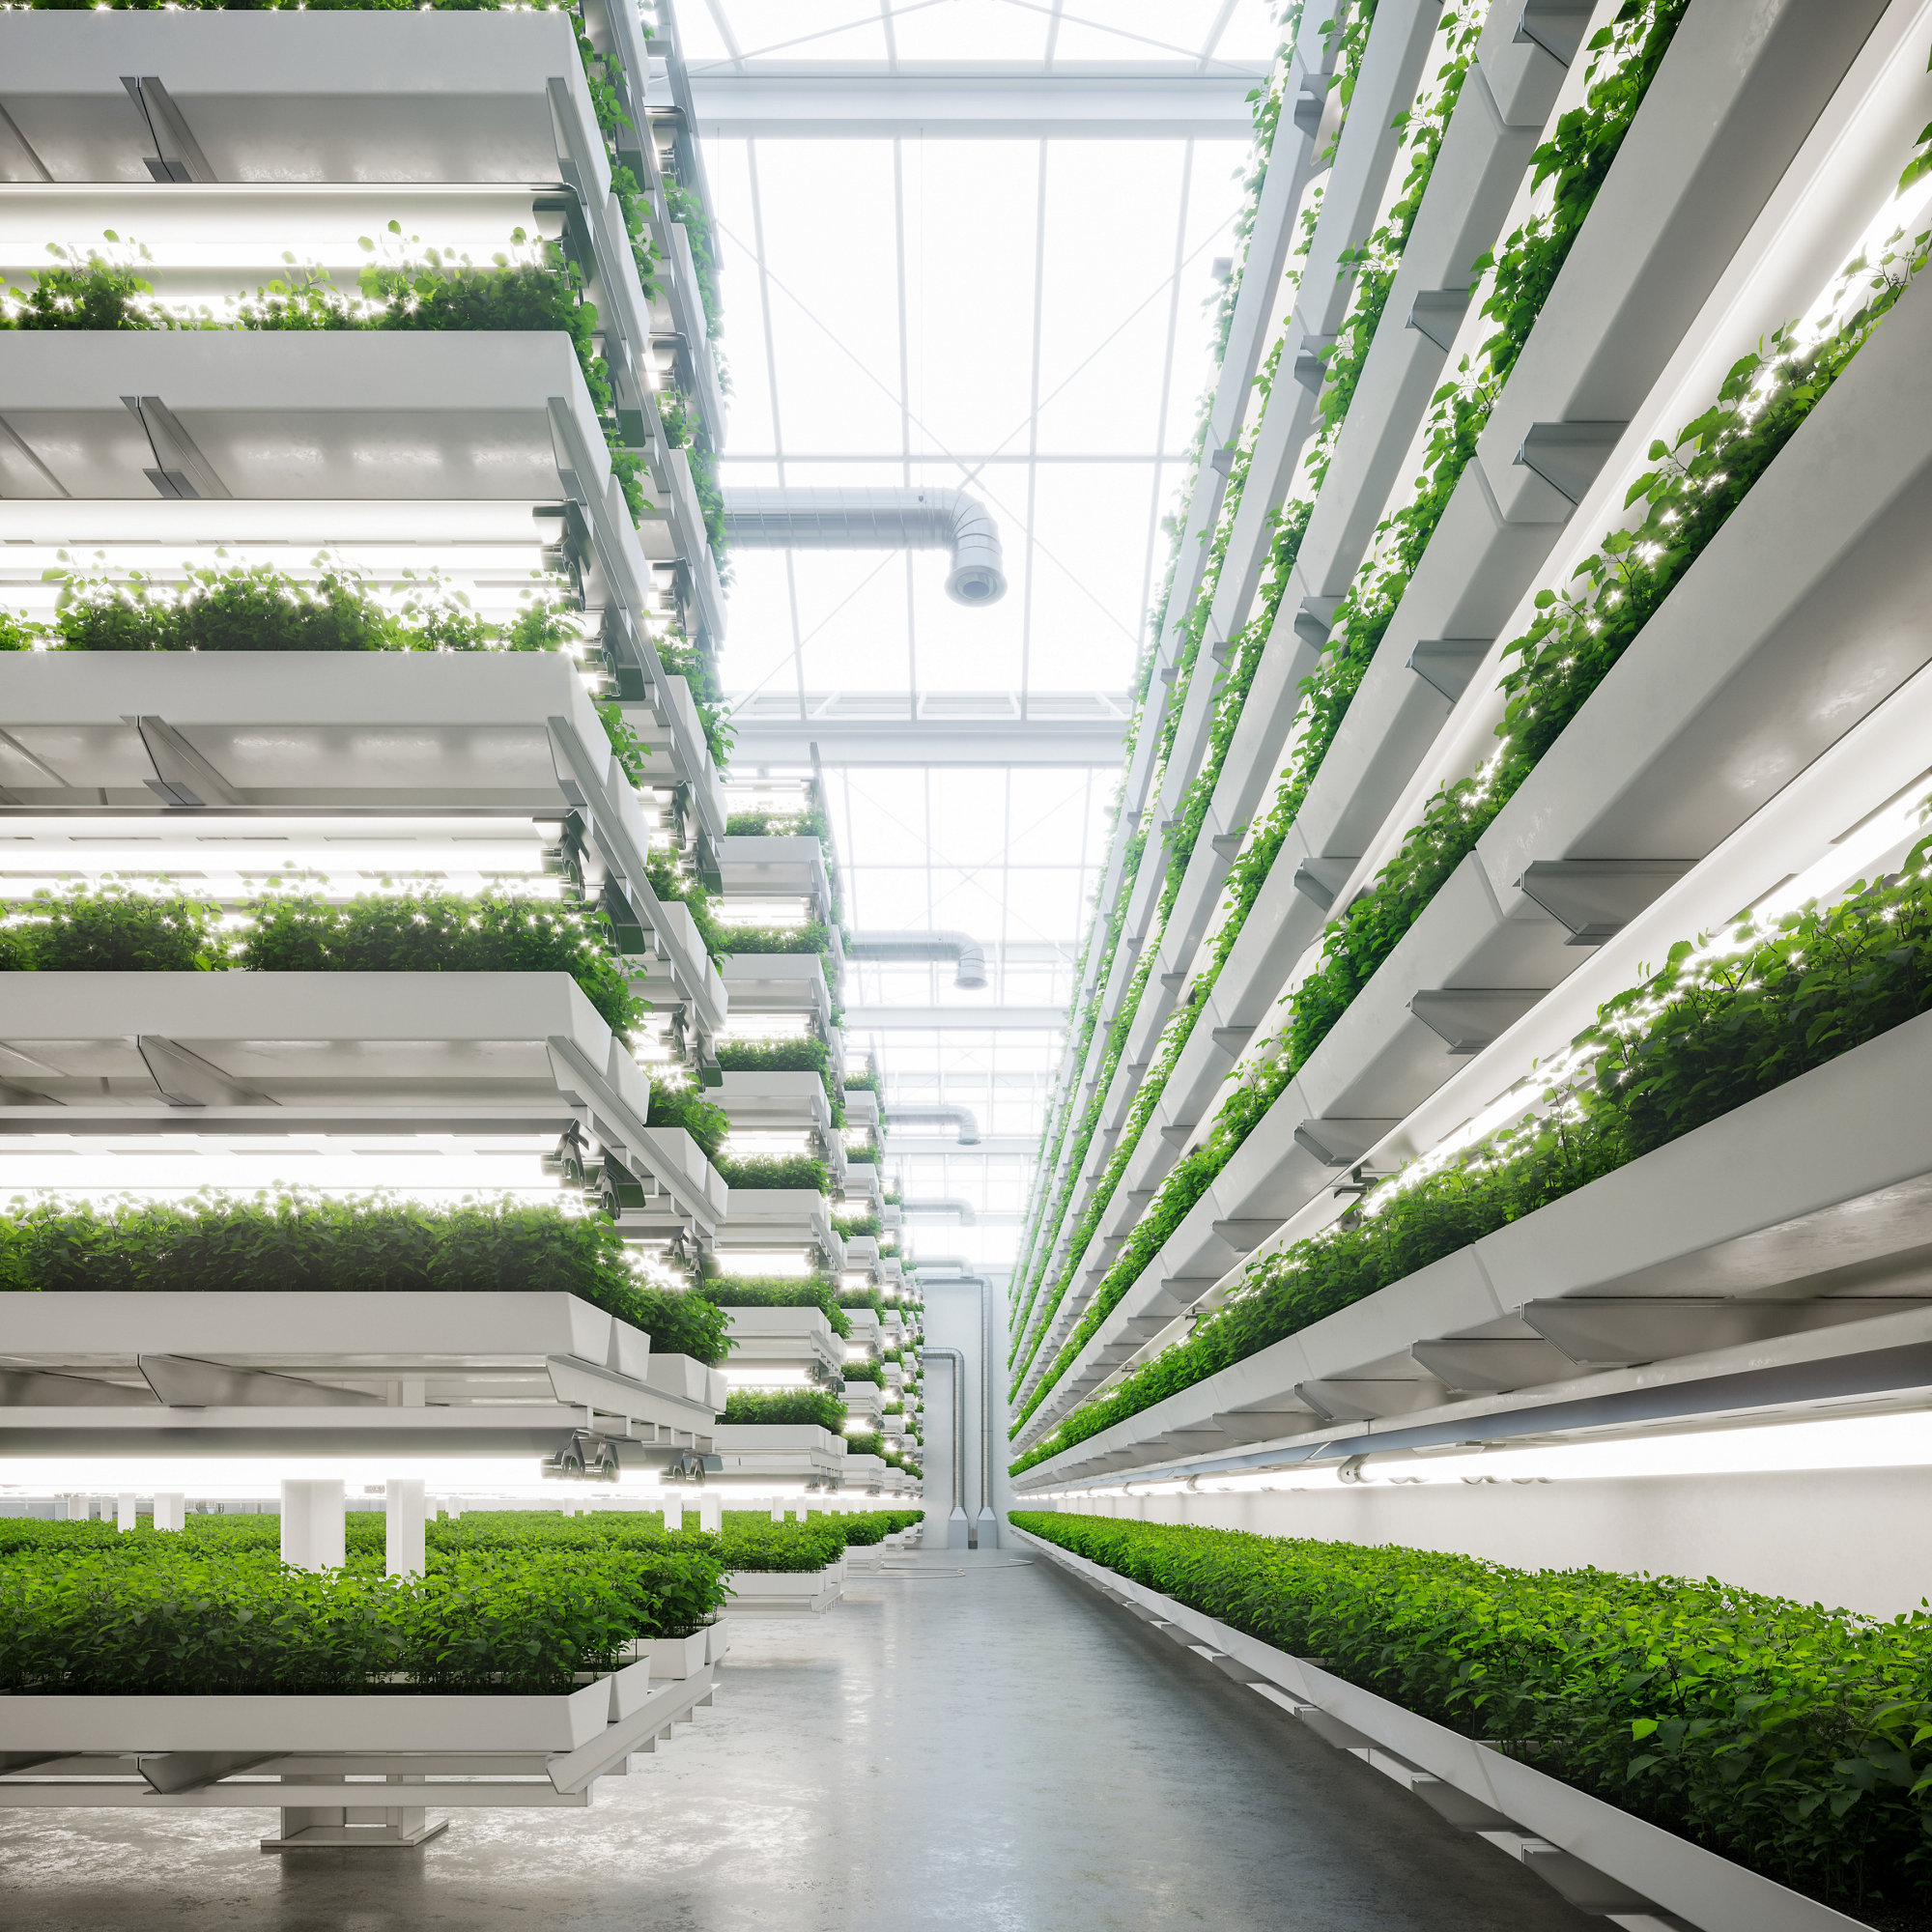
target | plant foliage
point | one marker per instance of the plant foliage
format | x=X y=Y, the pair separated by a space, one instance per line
x=1794 y=1739
x=308 y=1245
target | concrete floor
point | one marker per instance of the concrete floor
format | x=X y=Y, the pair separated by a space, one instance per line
x=975 y=1741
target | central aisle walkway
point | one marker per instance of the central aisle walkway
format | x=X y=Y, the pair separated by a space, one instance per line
x=972 y=1742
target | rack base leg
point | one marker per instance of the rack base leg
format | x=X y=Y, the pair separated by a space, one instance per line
x=360 y=1826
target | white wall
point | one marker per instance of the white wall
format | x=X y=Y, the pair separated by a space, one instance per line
x=1850 y=1538
x=952 y=1322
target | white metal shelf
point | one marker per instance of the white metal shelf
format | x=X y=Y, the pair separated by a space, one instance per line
x=340 y=1373
x=1764 y=1263
x=312 y=1757
x=250 y=733
x=340 y=1052
x=765 y=1217
x=793 y=1339
x=1298 y=141
x=775 y=1100
x=408 y=418
x=1392 y=68
x=1483 y=166
x=355 y=98
x=780 y=1451
x=1715 y=106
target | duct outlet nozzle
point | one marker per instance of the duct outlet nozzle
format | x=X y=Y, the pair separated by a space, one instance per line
x=803 y=519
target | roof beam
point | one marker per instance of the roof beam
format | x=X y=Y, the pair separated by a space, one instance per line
x=988 y=1147
x=974 y=1019
x=778 y=742
x=831 y=100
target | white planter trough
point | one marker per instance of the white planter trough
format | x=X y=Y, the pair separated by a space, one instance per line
x=1602 y=1860
x=310 y=1757
x=785 y=1592
x=674 y=1659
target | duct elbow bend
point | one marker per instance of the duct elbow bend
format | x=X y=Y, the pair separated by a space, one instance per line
x=978 y=566
x=969 y=971
x=968 y=955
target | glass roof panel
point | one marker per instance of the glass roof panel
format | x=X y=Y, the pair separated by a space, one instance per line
x=1045 y=323
x=976 y=30
x=1136 y=30
x=844 y=30
x=1116 y=31
x=970 y=248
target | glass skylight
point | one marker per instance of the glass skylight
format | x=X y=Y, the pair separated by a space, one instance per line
x=1024 y=315
x=749 y=33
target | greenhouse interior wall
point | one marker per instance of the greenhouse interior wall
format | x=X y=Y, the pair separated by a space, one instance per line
x=966 y=964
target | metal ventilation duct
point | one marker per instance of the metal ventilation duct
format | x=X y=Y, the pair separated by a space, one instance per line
x=962 y=947
x=964 y=1209
x=773 y=519
x=961 y=1117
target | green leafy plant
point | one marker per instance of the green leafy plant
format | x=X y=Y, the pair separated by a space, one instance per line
x=1712 y=1031
x=681 y=658
x=114 y=929
x=299 y=1244
x=199 y=1620
x=1788 y=1737
x=685 y=1106
x=789 y=1405
x=688 y=209
x=85 y=292
x=258 y=607
x=684 y=431
x=753 y=1542
x=872 y=1526
x=1576 y=639
x=771 y=1169
x=807 y=1054
x=777 y=1291
x=1373 y=269
x=440 y=933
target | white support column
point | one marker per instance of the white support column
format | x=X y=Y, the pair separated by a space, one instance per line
x=170 y=1510
x=711 y=1514
x=406 y=1534
x=125 y=1509
x=313 y=1535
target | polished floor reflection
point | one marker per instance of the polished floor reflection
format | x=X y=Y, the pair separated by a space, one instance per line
x=968 y=1741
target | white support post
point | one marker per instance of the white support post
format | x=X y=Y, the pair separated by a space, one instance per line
x=778 y=1509
x=711 y=1514
x=313 y=1534
x=125 y=1509
x=170 y=1510
x=406 y=1534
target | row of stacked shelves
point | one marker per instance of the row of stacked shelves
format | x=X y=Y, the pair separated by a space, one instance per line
x=1424 y=922
x=1496 y=1030
x=415 y=1045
